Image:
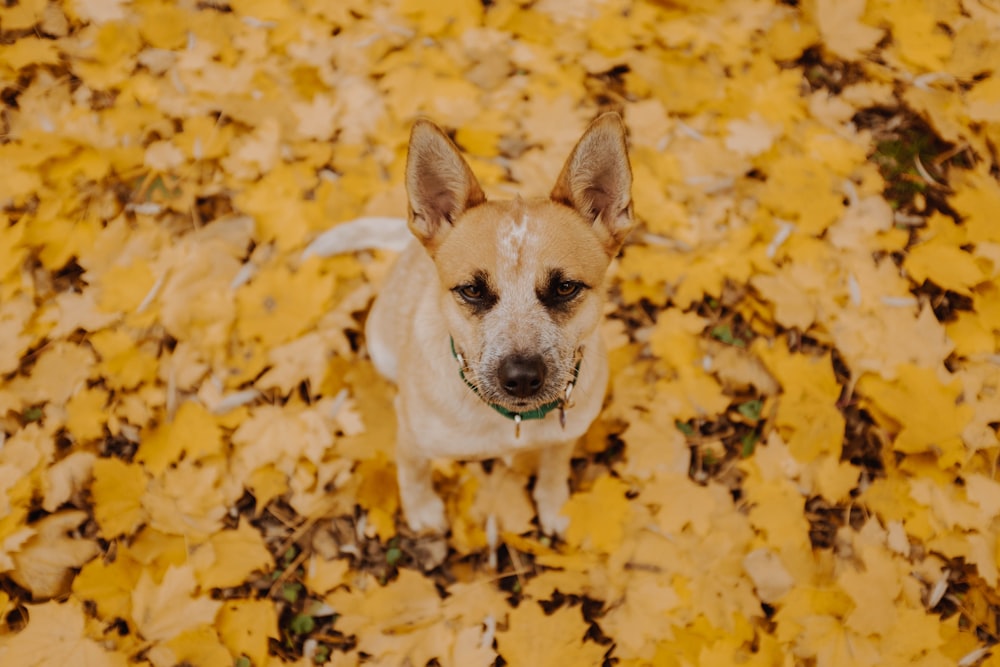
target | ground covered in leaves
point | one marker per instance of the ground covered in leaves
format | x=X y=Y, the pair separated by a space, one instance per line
x=797 y=460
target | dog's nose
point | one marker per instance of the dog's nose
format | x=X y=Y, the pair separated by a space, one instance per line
x=522 y=376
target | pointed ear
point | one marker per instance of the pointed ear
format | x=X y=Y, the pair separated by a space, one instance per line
x=596 y=180
x=439 y=184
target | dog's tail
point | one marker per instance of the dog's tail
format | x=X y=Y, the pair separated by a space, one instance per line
x=360 y=234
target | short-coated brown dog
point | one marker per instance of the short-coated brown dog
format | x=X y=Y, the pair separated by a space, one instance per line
x=489 y=321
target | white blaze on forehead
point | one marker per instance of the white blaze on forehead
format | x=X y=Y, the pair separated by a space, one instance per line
x=514 y=240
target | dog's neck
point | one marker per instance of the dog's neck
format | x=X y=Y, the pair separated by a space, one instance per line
x=561 y=403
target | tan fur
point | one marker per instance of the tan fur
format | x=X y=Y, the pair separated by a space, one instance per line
x=516 y=245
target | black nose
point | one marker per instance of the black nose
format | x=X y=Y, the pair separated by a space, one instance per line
x=522 y=376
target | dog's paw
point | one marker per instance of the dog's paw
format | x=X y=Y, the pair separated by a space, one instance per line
x=550 y=498
x=428 y=516
x=552 y=522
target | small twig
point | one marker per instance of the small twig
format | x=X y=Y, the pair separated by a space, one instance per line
x=287 y=572
x=924 y=174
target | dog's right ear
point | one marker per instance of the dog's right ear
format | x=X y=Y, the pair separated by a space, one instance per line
x=596 y=181
x=439 y=184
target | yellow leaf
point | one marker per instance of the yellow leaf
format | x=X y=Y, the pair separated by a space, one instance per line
x=266 y=483
x=454 y=16
x=807 y=412
x=55 y=638
x=945 y=265
x=14 y=343
x=832 y=645
x=923 y=410
x=23 y=15
x=117 y=493
x=534 y=638
x=193 y=431
x=198 y=647
x=45 y=563
x=230 y=557
x=280 y=437
x=322 y=575
x=984 y=100
x=682 y=503
x=58 y=238
x=28 y=50
x=109 y=584
x=165 y=610
x=874 y=591
x=843 y=32
x=203 y=138
x=123 y=288
x=770 y=577
x=301 y=360
x=597 y=517
x=60 y=371
x=916 y=34
x=174 y=509
x=915 y=633
x=67 y=477
x=86 y=414
x=378 y=493
x=165 y=26
x=246 y=625
x=788 y=37
x=279 y=305
x=977 y=199
x=400 y=621
x=124 y=364
x=478 y=142
x=802 y=188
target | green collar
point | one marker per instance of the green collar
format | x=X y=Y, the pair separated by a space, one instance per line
x=538 y=413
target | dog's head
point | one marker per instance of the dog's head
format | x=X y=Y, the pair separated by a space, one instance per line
x=522 y=280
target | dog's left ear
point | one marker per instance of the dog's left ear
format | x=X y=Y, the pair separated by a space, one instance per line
x=596 y=180
x=439 y=183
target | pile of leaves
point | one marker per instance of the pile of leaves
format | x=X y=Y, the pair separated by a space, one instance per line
x=797 y=461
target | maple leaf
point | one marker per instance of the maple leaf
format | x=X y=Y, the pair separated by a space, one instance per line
x=164 y=610
x=536 y=638
x=843 y=32
x=929 y=420
x=193 y=432
x=44 y=563
x=229 y=557
x=246 y=625
x=55 y=636
x=597 y=517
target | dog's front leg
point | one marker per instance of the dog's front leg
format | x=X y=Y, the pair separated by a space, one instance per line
x=552 y=487
x=422 y=508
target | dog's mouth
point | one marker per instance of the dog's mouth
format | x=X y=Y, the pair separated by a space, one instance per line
x=524 y=384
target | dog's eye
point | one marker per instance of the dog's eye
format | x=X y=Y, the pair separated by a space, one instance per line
x=567 y=289
x=471 y=292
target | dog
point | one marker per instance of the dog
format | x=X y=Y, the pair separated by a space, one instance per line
x=488 y=320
